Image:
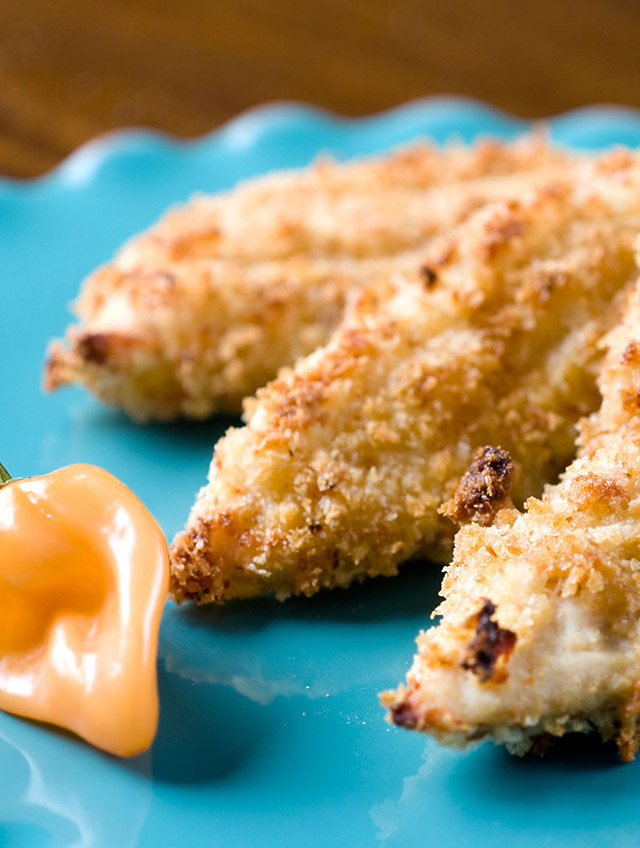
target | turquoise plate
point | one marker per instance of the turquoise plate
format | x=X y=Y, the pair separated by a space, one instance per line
x=270 y=730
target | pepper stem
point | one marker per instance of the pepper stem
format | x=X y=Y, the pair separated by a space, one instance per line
x=4 y=475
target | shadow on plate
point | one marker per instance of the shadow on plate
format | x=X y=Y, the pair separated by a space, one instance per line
x=561 y=785
x=205 y=734
x=412 y=593
x=574 y=751
x=192 y=435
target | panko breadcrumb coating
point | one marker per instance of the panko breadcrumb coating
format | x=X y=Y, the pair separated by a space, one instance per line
x=347 y=458
x=205 y=307
x=540 y=630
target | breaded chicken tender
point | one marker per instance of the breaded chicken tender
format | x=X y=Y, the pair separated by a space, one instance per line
x=540 y=630
x=205 y=307
x=346 y=459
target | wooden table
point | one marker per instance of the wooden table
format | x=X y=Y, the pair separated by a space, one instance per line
x=70 y=69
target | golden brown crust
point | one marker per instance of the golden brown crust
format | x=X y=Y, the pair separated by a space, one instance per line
x=564 y=577
x=346 y=458
x=203 y=308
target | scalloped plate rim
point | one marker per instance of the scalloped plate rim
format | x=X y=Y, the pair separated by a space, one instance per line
x=90 y=155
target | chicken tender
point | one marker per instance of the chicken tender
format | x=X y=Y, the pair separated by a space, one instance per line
x=540 y=630
x=197 y=337
x=346 y=459
x=205 y=307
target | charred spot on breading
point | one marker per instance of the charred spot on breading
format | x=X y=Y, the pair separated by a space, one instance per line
x=94 y=347
x=483 y=490
x=403 y=715
x=429 y=276
x=489 y=643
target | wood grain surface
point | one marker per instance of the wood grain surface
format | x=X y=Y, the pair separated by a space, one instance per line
x=71 y=69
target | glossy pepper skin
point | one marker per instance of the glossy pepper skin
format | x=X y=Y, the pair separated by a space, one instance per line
x=84 y=573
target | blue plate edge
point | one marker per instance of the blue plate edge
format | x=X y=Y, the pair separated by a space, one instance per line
x=80 y=165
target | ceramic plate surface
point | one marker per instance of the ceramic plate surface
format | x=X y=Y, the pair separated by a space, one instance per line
x=270 y=731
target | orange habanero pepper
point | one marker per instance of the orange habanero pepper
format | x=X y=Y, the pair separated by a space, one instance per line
x=84 y=573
